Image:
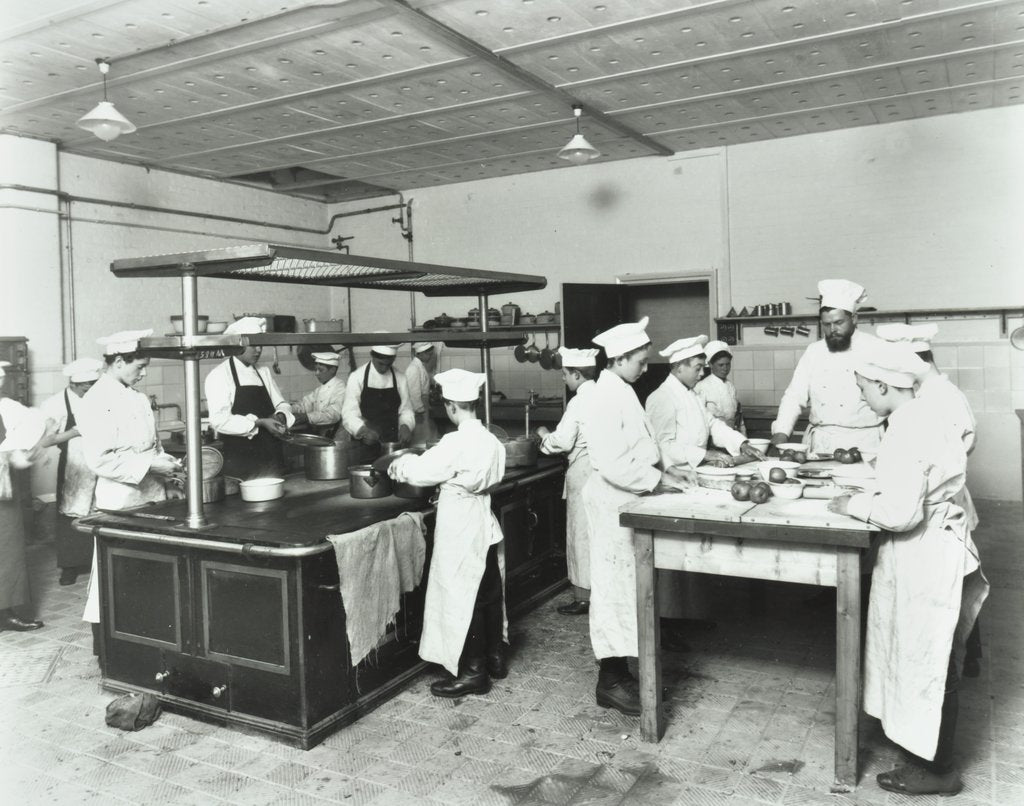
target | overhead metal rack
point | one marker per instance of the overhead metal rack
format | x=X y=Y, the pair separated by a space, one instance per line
x=288 y=264
x=272 y=263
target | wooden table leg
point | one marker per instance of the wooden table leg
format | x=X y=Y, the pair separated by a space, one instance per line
x=652 y=723
x=848 y=606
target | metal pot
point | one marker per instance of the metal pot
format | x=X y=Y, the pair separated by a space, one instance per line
x=213 y=487
x=324 y=325
x=404 y=490
x=326 y=462
x=389 y=447
x=365 y=482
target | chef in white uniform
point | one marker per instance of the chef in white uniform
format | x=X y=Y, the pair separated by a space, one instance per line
x=927 y=585
x=418 y=377
x=823 y=380
x=579 y=371
x=463 y=616
x=322 y=407
x=119 y=439
x=682 y=423
x=21 y=433
x=716 y=390
x=76 y=483
x=938 y=390
x=377 y=407
x=624 y=457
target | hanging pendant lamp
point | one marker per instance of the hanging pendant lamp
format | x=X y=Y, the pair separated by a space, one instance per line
x=104 y=120
x=578 y=151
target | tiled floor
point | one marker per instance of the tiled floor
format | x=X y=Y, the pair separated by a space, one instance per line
x=751 y=719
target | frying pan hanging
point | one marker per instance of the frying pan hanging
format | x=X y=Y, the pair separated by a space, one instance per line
x=545 y=354
x=521 y=350
x=556 y=357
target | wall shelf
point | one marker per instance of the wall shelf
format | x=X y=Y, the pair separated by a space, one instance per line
x=730 y=328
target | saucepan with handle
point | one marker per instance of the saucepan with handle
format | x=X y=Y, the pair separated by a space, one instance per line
x=521 y=350
x=545 y=355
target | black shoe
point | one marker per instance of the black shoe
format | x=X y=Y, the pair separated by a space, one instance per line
x=68 y=576
x=497 y=666
x=574 y=608
x=470 y=681
x=972 y=668
x=621 y=693
x=19 y=625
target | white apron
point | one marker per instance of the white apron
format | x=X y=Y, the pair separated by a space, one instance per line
x=927 y=586
x=577 y=528
x=79 y=482
x=827 y=438
x=465 y=530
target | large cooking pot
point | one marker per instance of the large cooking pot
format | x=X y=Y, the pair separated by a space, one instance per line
x=326 y=461
x=365 y=482
x=404 y=490
x=521 y=452
x=213 y=488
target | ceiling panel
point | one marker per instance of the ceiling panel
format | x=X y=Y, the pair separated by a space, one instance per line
x=384 y=94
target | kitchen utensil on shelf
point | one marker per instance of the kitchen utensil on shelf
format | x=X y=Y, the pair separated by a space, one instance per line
x=214 y=328
x=201 y=324
x=545 y=318
x=527 y=319
x=520 y=350
x=276 y=366
x=1017 y=338
x=744 y=312
x=365 y=482
x=324 y=325
x=533 y=352
x=328 y=461
x=771 y=330
x=512 y=310
x=803 y=330
x=787 y=330
x=264 y=489
x=545 y=355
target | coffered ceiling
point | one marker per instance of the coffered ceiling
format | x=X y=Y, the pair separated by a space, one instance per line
x=348 y=100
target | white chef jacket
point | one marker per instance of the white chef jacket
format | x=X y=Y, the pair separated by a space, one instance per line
x=624 y=457
x=466 y=462
x=219 y=389
x=119 y=441
x=324 y=404
x=681 y=425
x=568 y=438
x=719 y=398
x=417 y=379
x=938 y=390
x=17 y=417
x=351 y=414
x=824 y=382
x=921 y=607
x=79 y=480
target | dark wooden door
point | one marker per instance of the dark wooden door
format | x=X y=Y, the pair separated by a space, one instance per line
x=589 y=309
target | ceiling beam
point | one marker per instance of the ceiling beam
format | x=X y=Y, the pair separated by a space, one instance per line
x=474 y=48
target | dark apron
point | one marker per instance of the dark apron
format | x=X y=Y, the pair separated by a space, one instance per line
x=263 y=455
x=379 y=408
x=74 y=549
x=13 y=570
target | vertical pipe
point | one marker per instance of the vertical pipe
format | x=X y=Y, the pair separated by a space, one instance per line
x=485 y=358
x=193 y=445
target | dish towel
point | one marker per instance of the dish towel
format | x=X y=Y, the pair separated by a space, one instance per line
x=376 y=565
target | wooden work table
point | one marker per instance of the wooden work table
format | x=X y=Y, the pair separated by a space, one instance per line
x=706 y=531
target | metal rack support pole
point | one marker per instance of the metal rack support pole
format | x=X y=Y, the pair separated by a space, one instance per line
x=485 y=358
x=193 y=439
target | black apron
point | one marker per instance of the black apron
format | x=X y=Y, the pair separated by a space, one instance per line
x=379 y=409
x=263 y=455
x=74 y=549
x=13 y=570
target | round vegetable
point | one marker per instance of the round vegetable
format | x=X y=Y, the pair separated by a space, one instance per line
x=842 y=455
x=741 y=490
x=760 y=493
x=799 y=456
x=777 y=474
x=855 y=455
x=787 y=455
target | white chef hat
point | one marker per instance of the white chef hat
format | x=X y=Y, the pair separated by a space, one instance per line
x=842 y=294
x=893 y=363
x=124 y=341
x=384 y=349
x=919 y=337
x=684 y=348
x=623 y=338
x=83 y=370
x=713 y=348
x=2 y=365
x=422 y=346
x=330 y=359
x=247 y=325
x=459 y=384
x=572 y=357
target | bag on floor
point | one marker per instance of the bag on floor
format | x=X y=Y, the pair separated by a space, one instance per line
x=133 y=711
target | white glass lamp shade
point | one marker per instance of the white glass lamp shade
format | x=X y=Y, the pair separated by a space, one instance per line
x=105 y=122
x=578 y=151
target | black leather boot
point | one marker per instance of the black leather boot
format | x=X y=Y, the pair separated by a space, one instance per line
x=617 y=688
x=473 y=677
x=494 y=622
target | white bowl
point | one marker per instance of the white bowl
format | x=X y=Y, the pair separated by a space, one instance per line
x=216 y=327
x=716 y=478
x=760 y=444
x=787 y=490
x=266 y=489
x=765 y=468
x=201 y=323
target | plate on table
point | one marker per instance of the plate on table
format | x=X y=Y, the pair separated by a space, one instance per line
x=805 y=472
